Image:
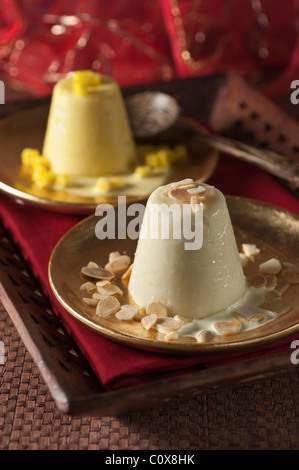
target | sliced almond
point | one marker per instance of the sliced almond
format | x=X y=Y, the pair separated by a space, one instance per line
x=182 y=182
x=127 y=274
x=164 y=325
x=290 y=267
x=250 y=250
x=110 y=289
x=181 y=320
x=179 y=194
x=103 y=283
x=156 y=307
x=271 y=281
x=257 y=318
x=257 y=281
x=141 y=311
x=88 y=287
x=272 y=294
x=170 y=336
x=240 y=317
x=277 y=305
x=204 y=336
x=197 y=190
x=149 y=321
x=113 y=255
x=92 y=265
x=227 y=327
x=127 y=312
x=119 y=264
x=282 y=285
x=243 y=259
x=196 y=205
x=272 y=266
x=97 y=273
x=290 y=276
x=107 y=306
x=90 y=301
x=97 y=296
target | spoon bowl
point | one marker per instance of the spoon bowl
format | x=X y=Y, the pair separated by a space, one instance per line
x=151 y=113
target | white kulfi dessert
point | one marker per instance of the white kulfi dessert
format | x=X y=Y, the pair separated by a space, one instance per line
x=88 y=132
x=193 y=283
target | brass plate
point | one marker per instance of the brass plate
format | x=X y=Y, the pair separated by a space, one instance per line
x=27 y=129
x=273 y=230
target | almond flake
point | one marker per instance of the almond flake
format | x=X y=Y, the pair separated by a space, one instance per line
x=170 y=336
x=92 y=265
x=243 y=259
x=272 y=294
x=107 y=306
x=290 y=267
x=111 y=289
x=164 y=325
x=276 y=305
x=179 y=194
x=97 y=273
x=91 y=302
x=271 y=281
x=196 y=205
x=182 y=182
x=227 y=327
x=282 y=285
x=240 y=317
x=204 y=336
x=119 y=264
x=156 y=307
x=127 y=312
x=98 y=296
x=197 y=190
x=290 y=276
x=187 y=186
x=113 y=255
x=88 y=287
x=250 y=250
x=149 y=321
x=272 y=266
x=257 y=318
x=181 y=320
x=127 y=274
x=103 y=283
x=257 y=281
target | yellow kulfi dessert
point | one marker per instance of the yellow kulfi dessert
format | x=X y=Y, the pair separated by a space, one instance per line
x=88 y=132
x=193 y=283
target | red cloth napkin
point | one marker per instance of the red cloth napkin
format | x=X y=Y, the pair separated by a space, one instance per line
x=36 y=231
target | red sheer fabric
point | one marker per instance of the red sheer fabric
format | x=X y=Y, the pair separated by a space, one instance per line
x=139 y=42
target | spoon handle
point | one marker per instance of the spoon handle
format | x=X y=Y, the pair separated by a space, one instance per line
x=274 y=163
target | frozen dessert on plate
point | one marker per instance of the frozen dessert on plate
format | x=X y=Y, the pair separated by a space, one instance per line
x=196 y=278
x=88 y=133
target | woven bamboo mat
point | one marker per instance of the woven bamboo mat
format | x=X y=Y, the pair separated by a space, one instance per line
x=261 y=415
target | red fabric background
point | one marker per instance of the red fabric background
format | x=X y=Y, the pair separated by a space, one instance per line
x=151 y=40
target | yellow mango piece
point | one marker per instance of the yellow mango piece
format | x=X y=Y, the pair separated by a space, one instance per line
x=43 y=177
x=41 y=161
x=117 y=181
x=28 y=155
x=84 y=81
x=103 y=184
x=143 y=170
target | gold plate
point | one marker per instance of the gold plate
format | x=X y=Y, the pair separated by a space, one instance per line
x=27 y=129
x=273 y=230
